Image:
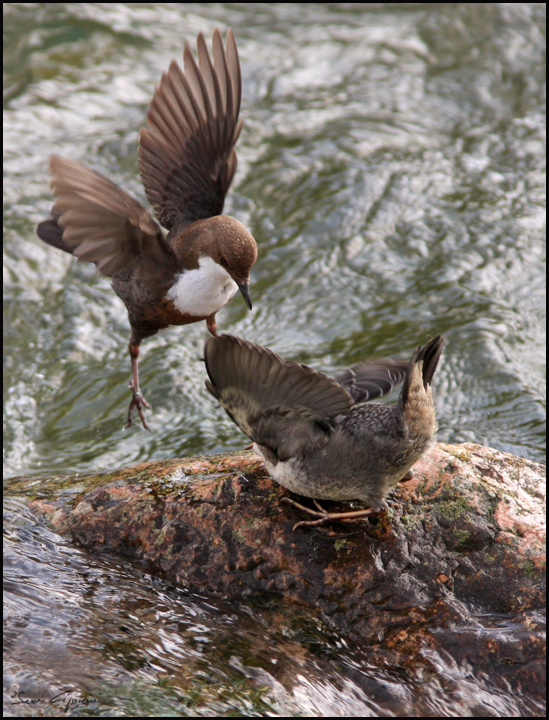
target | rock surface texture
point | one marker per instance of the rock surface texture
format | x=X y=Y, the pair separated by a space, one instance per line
x=456 y=569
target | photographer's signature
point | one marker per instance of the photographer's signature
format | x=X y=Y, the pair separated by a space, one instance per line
x=67 y=699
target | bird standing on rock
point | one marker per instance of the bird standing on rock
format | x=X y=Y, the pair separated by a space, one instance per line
x=318 y=436
x=187 y=161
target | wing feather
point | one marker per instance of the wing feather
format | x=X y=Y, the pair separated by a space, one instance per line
x=281 y=404
x=186 y=154
x=98 y=222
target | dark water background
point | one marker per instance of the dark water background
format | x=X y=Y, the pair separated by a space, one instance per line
x=392 y=169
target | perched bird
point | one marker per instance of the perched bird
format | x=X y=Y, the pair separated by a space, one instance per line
x=318 y=436
x=187 y=161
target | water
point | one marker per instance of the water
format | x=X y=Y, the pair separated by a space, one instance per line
x=391 y=167
x=115 y=641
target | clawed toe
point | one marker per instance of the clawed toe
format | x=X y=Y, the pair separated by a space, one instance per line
x=324 y=516
x=139 y=402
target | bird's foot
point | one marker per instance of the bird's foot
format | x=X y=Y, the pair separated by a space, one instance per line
x=139 y=402
x=324 y=516
x=212 y=324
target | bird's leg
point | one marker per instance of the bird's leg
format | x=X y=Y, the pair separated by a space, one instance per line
x=138 y=401
x=212 y=325
x=325 y=516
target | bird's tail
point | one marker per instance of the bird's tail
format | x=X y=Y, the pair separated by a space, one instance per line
x=52 y=233
x=416 y=398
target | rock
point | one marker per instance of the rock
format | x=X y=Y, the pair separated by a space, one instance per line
x=462 y=548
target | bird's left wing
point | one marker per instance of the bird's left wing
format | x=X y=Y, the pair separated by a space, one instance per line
x=186 y=155
x=279 y=404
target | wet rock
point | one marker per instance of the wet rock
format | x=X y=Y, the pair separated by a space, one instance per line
x=453 y=574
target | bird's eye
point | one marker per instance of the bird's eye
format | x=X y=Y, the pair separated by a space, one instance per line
x=223 y=261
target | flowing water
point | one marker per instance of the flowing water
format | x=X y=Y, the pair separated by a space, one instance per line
x=391 y=168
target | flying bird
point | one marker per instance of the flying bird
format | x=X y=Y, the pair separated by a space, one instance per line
x=187 y=161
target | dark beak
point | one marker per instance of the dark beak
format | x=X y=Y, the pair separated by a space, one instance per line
x=245 y=290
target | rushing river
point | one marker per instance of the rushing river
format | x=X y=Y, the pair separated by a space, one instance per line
x=391 y=168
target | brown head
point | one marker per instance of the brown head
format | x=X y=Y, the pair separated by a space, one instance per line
x=227 y=242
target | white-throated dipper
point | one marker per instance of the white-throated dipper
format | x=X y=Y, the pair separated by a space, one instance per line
x=187 y=161
x=317 y=435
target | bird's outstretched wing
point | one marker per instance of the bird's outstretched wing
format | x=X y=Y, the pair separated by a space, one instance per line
x=279 y=404
x=186 y=155
x=374 y=379
x=98 y=222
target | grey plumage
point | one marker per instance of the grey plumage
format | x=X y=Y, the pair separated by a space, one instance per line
x=373 y=379
x=318 y=436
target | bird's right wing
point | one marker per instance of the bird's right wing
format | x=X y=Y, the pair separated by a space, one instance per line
x=374 y=379
x=282 y=405
x=98 y=222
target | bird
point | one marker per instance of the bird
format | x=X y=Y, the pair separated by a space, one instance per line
x=321 y=437
x=187 y=161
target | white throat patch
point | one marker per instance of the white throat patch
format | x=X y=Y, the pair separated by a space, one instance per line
x=203 y=291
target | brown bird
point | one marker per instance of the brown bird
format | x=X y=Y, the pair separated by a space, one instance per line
x=187 y=161
x=321 y=437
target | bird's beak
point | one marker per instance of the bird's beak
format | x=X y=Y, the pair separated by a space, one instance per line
x=245 y=290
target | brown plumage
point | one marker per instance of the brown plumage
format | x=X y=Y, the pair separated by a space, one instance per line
x=187 y=161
